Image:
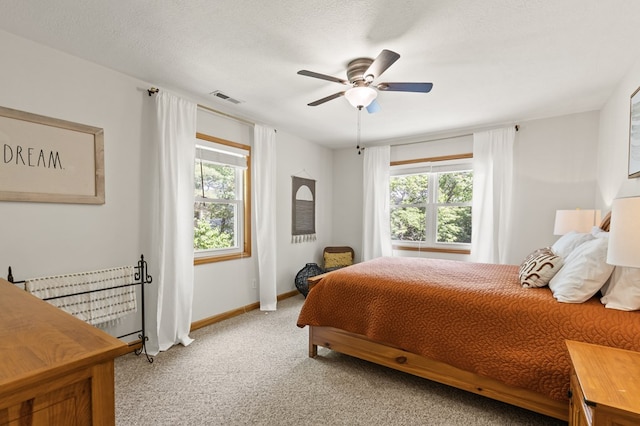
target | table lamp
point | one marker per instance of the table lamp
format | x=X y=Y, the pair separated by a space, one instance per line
x=575 y=220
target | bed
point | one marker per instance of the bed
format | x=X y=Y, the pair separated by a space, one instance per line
x=469 y=325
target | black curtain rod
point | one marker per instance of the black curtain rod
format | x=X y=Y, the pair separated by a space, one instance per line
x=154 y=90
x=517 y=127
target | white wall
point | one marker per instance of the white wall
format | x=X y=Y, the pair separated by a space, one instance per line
x=347 y=199
x=297 y=157
x=47 y=238
x=613 y=144
x=555 y=169
x=42 y=239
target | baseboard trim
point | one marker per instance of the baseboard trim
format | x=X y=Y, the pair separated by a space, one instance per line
x=288 y=295
x=235 y=312
x=137 y=344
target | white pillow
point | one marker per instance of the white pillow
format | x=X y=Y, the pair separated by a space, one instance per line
x=623 y=290
x=569 y=241
x=584 y=272
x=599 y=233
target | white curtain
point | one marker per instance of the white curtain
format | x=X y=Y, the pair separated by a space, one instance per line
x=172 y=221
x=492 y=194
x=264 y=166
x=376 y=228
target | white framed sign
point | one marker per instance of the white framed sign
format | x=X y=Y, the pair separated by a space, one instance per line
x=48 y=160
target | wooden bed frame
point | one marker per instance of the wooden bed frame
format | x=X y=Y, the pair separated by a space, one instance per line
x=389 y=356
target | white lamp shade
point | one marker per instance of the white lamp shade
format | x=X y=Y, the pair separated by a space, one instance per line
x=624 y=233
x=575 y=220
x=360 y=96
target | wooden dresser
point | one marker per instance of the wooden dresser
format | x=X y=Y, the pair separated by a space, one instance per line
x=605 y=386
x=54 y=368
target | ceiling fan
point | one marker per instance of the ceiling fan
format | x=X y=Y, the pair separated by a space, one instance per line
x=361 y=73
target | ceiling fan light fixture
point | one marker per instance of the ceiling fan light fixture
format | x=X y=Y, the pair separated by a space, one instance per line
x=360 y=96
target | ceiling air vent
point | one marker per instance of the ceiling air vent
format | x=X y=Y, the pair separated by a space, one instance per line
x=224 y=97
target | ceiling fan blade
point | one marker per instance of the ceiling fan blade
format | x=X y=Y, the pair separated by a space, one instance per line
x=326 y=99
x=373 y=107
x=385 y=59
x=322 y=76
x=405 y=87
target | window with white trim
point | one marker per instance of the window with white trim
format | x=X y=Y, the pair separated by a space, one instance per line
x=221 y=200
x=430 y=204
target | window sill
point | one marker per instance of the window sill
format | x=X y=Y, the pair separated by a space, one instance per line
x=220 y=258
x=431 y=249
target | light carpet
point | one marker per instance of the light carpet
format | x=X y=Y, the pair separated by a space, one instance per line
x=254 y=369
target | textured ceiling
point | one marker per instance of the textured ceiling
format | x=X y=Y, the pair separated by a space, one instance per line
x=491 y=62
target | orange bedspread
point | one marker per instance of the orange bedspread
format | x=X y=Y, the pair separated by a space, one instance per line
x=473 y=316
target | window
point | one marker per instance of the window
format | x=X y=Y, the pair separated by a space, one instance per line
x=430 y=206
x=222 y=208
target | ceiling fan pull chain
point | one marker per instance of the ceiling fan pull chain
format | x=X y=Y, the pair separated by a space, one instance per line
x=358 y=147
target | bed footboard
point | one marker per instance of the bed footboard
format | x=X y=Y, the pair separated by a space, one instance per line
x=379 y=353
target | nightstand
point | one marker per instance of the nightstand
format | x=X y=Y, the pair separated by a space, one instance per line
x=605 y=385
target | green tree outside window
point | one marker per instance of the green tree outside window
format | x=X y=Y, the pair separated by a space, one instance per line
x=413 y=207
x=215 y=211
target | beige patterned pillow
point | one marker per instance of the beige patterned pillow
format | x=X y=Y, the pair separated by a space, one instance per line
x=539 y=267
x=337 y=260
